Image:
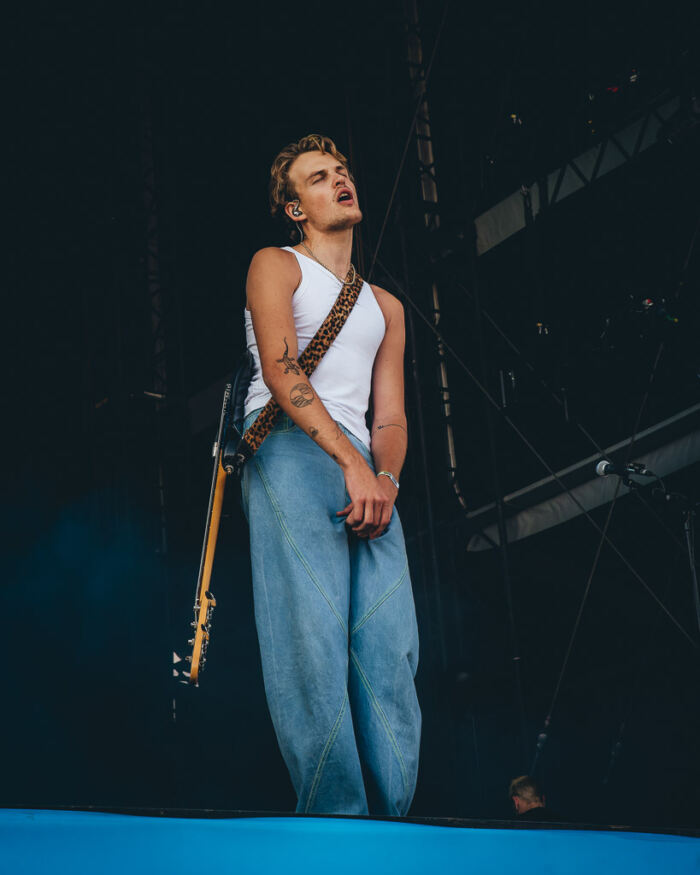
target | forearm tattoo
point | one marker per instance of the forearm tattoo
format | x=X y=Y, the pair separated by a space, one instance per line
x=301 y=395
x=289 y=363
x=314 y=434
x=389 y=425
x=337 y=434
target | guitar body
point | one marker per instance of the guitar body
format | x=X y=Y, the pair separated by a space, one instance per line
x=205 y=602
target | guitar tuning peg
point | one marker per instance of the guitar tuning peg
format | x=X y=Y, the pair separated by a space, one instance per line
x=193 y=624
x=188 y=658
x=191 y=642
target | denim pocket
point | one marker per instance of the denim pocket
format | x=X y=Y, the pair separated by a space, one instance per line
x=284 y=424
x=250 y=418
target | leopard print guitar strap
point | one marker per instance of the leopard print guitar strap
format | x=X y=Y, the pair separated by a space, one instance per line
x=308 y=361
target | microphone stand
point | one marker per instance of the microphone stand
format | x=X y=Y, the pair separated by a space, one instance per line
x=689 y=508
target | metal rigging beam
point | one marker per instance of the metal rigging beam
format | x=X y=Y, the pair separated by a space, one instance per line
x=431 y=215
x=516 y=211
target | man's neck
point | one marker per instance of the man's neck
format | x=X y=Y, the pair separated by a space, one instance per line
x=333 y=249
x=530 y=805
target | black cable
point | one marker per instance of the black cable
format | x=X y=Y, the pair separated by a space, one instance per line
x=689 y=527
x=421 y=98
x=501 y=524
x=426 y=482
x=584 y=431
x=542 y=736
x=537 y=455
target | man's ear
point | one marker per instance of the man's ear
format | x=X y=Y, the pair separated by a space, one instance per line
x=293 y=210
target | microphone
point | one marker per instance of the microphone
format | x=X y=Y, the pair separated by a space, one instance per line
x=604 y=468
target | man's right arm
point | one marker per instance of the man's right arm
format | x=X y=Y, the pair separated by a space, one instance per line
x=273 y=277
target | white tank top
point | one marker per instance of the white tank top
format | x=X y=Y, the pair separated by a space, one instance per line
x=343 y=378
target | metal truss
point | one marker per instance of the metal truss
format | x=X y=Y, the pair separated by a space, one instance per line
x=519 y=209
x=431 y=214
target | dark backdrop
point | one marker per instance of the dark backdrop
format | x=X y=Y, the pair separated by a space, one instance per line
x=100 y=577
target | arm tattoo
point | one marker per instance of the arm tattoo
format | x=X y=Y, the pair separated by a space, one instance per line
x=314 y=433
x=389 y=424
x=289 y=363
x=301 y=395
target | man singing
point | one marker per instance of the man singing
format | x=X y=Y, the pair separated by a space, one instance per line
x=333 y=603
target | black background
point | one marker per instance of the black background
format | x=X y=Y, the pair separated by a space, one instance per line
x=94 y=606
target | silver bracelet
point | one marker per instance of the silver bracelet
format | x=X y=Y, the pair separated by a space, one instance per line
x=390 y=476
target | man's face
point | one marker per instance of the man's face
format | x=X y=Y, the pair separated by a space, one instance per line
x=326 y=193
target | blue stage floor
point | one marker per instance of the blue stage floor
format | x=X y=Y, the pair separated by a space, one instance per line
x=77 y=842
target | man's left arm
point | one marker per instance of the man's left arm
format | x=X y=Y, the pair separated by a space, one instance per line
x=389 y=433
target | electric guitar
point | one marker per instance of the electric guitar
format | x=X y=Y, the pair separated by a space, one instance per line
x=204 y=602
x=228 y=435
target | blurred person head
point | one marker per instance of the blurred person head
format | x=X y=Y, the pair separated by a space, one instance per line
x=526 y=794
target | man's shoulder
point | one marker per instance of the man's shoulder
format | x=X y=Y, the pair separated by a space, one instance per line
x=273 y=262
x=389 y=304
x=273 y=256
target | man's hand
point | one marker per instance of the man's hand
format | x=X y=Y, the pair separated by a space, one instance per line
x=371 y=501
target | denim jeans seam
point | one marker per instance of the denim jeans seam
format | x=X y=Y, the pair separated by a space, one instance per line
x=335 y=729
x=245 y=492
x=382 y=717
x=375 y=607
x=283 y=525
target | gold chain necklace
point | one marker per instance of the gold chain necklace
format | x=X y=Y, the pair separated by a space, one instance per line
x=343 y=282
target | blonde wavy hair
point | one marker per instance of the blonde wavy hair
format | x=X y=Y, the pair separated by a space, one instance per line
x=526 y=787
x=281 y=189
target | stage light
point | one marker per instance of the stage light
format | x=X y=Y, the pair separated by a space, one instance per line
x=515 y=118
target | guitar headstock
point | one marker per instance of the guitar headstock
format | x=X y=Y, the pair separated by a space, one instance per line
x=203 y=612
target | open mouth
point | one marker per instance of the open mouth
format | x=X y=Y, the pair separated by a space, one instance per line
x=344 y=195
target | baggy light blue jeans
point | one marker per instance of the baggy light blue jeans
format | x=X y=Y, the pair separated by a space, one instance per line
x=337 y=631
